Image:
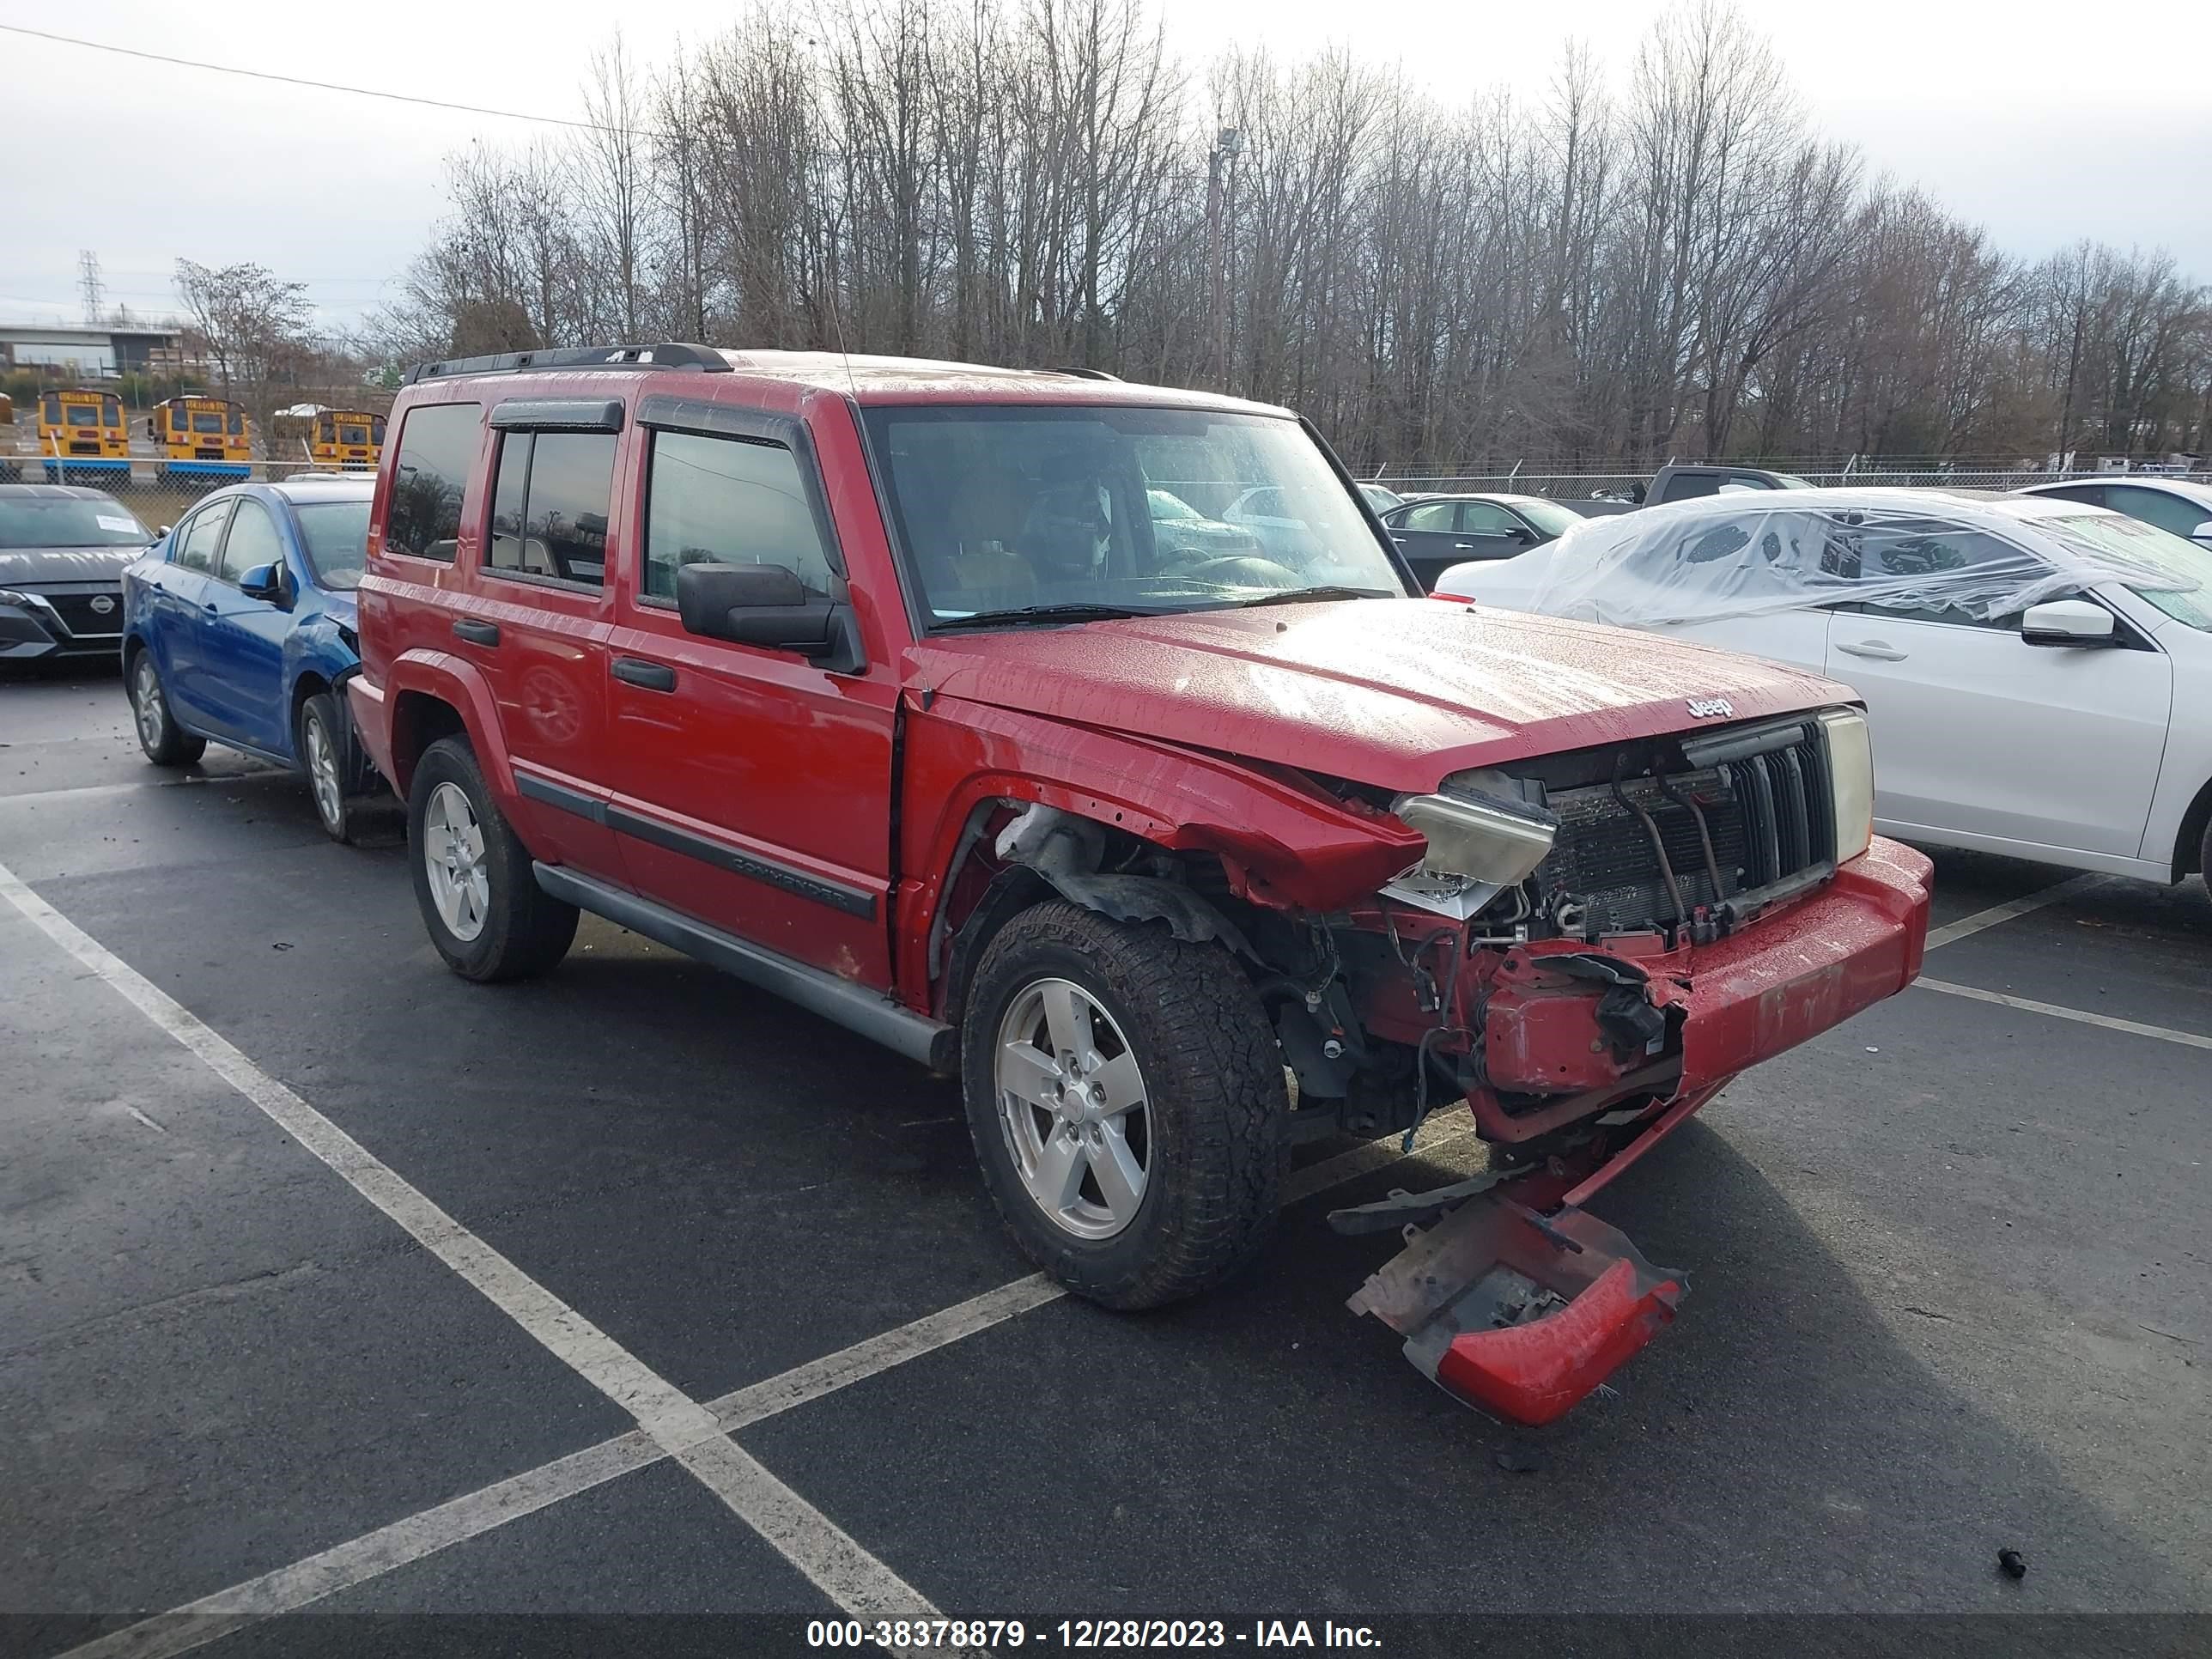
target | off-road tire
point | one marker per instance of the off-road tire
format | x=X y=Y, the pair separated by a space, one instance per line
x=1214 y=1078
x=162 y=740
x=526 y=931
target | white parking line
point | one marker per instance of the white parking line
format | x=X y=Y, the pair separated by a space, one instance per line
x=373 y=1554
x=678 y=1425
x=1440 y=1130
x=1951 y=933
x=472 y=1514
x=2132 y=1027
x=749 y=1488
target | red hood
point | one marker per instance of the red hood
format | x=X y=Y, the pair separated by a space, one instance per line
x=1392 y=693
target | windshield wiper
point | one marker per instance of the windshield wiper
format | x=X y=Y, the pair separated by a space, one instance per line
x=1049 y=613
x=1300 y=595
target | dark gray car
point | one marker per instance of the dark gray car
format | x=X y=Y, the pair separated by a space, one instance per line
x=61 y=552
x=1438 y=532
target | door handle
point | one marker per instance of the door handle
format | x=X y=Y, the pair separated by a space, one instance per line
x=651 y=676
x=1401 y=540
x=1879 y=650
x=477 y=633
x=1462 y=547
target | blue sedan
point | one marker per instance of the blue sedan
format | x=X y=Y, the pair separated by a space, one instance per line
x=238 y=629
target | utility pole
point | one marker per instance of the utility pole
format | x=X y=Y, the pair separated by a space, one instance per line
x=90 y=288
x=1220 y=206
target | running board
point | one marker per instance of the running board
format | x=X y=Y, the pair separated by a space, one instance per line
x=858 y=1009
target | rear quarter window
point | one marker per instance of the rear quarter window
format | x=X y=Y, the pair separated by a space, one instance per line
x=438 y=447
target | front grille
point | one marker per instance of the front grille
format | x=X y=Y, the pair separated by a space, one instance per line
x=77 y=614
x=1768 y=816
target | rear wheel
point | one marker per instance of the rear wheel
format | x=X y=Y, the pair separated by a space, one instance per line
x=165 y=742
x=484 y=910
x=1126 y=1098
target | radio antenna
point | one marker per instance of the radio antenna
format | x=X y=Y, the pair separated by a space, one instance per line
x=837 y=317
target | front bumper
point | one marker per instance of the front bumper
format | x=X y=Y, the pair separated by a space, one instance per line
x=46 y=626
x=1519 y=1302
x=1793 y=974
x=1778 y=981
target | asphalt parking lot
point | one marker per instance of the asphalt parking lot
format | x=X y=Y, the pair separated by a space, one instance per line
x=1948 y=1269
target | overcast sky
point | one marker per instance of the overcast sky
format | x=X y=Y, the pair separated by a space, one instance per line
x=2044 y=122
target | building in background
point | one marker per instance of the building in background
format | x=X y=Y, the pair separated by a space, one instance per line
x=91 y=353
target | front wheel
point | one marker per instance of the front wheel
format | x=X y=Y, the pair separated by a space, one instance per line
x=485 y=911
x=333 y=776
x=165 y=742
x=1127 y=1103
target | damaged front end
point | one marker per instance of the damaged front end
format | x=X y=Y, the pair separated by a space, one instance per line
x=1590 y=946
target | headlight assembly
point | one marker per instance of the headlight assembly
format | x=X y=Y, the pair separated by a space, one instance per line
x=1850 y=777
x=1478 y=847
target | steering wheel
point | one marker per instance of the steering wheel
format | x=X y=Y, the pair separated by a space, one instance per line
x=1242 y=570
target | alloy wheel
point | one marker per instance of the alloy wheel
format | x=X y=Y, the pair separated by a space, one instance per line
x=147 y=707
x=1074 y=1108
x=323 y=772
x=453 y=856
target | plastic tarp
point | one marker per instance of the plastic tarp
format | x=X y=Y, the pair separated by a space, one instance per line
x=1755 y=554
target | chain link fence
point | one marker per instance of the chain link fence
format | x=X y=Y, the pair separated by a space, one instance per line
x=158 y=490
x=1582 y=485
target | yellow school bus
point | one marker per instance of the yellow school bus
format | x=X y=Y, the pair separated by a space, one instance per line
x=200 y=438
x=347 y=440
x=82 y=434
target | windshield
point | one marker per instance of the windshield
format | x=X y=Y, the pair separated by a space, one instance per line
x=2102 y=535
x=335 y=537
x=69 y=521
x=1025 y=510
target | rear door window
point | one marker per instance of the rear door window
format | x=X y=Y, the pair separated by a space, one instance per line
x=550 y=508
x=1429 y=515
x=437 y=448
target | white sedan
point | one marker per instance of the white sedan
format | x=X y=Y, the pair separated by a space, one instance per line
x=2038 y=673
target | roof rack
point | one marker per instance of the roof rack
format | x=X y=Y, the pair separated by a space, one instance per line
x=669 y=354
x=1084 y=374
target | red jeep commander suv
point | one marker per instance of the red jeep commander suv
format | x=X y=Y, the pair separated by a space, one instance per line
x=1089 y=741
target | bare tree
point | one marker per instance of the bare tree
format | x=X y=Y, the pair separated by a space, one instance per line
x=1677 y=265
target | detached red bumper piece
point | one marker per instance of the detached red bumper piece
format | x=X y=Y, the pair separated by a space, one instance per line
x=1519 y=1313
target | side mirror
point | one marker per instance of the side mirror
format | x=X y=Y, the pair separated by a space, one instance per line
x=2067 y=622
x=2202 y=532
x=264 y=582
x=1520 y=537
x=163 y=531
x=765 y=605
